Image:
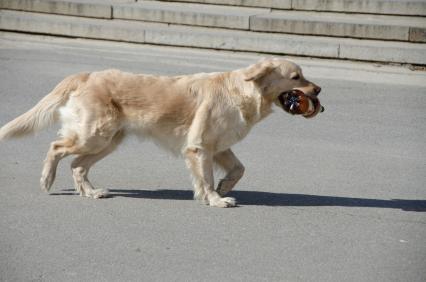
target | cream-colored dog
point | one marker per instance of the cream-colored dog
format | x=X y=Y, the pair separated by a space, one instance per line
x=199 y=116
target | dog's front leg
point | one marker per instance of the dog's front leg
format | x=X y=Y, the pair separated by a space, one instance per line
x=234 y=171
x=200 y=162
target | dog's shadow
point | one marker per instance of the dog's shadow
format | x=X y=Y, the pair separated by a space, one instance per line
x=275 y=199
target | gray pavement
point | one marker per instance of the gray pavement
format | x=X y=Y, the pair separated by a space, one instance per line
x=338 y=198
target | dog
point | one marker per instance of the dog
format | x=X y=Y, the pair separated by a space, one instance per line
x=198 y=116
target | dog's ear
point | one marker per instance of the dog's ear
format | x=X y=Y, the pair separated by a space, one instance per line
x=258 y=70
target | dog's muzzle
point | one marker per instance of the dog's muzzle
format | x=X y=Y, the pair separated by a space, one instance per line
x=296 y=102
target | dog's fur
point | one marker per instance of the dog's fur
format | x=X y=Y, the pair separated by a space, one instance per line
x=199 y=116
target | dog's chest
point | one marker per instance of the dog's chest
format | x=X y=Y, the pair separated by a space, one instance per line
x=230 y=130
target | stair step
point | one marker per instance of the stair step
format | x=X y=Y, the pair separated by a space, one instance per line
x=401 y=28
x=276 y=4
x=214 y=38
x=382 y=27
x=94 y=9
x=386 y=7
x=190 y=14
x=71 y=26
x=343 y=25
x=102 y=9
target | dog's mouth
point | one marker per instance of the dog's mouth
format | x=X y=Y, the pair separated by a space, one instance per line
x=296 y=102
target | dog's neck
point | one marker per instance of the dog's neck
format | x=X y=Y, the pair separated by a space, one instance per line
x=255 y=106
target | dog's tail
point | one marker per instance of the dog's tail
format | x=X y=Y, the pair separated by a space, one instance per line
x=44 y=113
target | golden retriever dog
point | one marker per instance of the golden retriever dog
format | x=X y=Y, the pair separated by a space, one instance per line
x=198 y=116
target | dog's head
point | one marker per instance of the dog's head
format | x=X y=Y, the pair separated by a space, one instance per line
x=278 y=78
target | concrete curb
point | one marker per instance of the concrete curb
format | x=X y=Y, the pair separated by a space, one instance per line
x=223 y=39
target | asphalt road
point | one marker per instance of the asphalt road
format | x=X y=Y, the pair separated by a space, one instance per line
x=338 y=198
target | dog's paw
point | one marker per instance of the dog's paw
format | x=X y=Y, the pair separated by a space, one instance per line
x=46 y=183
x=95 y=193
x=226 y=202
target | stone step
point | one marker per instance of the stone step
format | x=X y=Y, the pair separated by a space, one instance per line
x=102 y=8
x=93 y=9
x=214 y=38
x=386 y=7
x=381 y=27
x=188 y=14
x=276 y=4
x=402 y=28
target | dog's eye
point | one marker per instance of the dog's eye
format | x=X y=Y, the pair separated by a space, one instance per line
x=295 y=76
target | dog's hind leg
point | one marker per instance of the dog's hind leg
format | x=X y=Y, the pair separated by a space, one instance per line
x=200 y=162
x=81 y=165
x=234 y=171
x=58 y=150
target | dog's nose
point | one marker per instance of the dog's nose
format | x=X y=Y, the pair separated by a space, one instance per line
x=317 y=90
